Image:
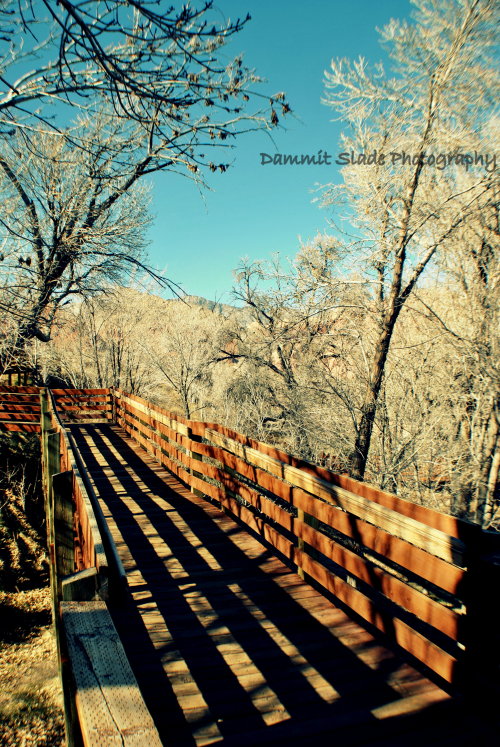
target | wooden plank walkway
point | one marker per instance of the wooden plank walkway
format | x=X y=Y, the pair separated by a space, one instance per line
x=230 y=646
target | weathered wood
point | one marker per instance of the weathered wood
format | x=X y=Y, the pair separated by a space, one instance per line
x=82 y=586
x=421 y=563
x=62 y=489
x=433 y=540
x=109 y=704
x=195 y=461
x=82 y=407
x=432 y=612
x=53 y=452
x=92 y=544
x=45 y=414
x=112 y=394
x=107 y=560
x=74 y=392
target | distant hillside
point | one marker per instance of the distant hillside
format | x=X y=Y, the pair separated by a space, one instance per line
x=206 y=303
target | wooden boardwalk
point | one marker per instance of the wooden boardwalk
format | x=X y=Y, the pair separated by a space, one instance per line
x=229 y=645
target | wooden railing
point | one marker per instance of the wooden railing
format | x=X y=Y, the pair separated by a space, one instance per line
x=72 y=510
x=20 y=408
x=424 y=579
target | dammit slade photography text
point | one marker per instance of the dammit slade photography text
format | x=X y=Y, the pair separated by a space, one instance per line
x=377 y=158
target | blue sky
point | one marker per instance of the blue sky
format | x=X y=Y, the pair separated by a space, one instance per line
x=254 y=210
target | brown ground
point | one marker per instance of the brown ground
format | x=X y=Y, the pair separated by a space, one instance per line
x=30 y=693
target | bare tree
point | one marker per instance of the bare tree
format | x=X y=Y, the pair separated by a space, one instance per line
x=405 y=206
x=153 y=92
x=182 y=350
x=156 y=66
x=100 y=342
x=290 y=332
x=69 y=227
x=469 y=319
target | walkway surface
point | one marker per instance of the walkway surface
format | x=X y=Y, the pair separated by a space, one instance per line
x=229 y=645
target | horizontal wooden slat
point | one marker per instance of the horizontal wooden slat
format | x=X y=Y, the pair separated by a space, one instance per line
x=86 y=414
x=20 y=389
x=435 y=570
x=21 y=399
x=69 y=397
x=68 y=392
x=19 y=427
x=81 y=407
x=434 y=541
x=17 y=407
x=19 y=416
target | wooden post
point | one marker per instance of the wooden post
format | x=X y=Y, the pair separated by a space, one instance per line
x=46 y=420
x=62 y=565
x=300 y=542
x=113 y=404
x=480 y=675
x=304 y=518
x=53 y=454
x=196 y=457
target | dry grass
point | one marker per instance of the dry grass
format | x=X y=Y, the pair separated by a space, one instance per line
x=30 y=693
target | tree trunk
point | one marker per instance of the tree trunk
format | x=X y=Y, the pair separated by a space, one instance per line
x=359 y=456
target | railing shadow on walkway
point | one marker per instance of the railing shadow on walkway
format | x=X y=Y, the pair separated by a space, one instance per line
x=229 y=595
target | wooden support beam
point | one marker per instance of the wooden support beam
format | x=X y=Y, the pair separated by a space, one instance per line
x=194 y=457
